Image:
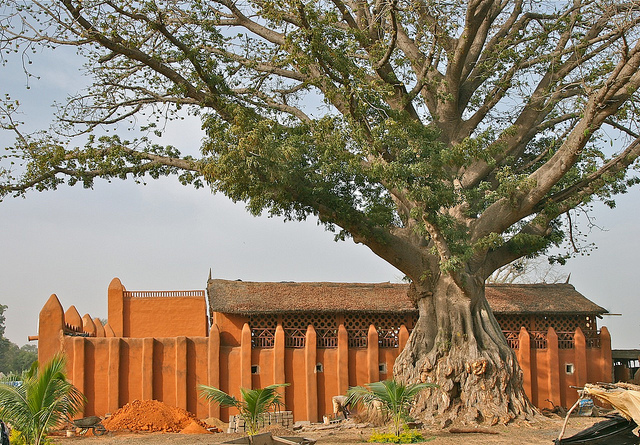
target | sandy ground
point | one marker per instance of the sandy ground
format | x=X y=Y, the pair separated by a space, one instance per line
x=542 y=431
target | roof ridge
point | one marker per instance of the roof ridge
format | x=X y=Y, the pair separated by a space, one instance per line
x=311 y=296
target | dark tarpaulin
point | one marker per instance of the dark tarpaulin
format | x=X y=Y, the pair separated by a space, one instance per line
x=616 y=430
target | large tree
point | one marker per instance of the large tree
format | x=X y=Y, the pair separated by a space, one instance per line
x=448 y=137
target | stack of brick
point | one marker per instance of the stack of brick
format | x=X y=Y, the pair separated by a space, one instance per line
x=281 y=418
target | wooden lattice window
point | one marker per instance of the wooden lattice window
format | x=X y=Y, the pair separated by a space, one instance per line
x=566 y=325
x=388 y=327
x=327 y=338
x=561 y=323
x=538 y=339
x=295 y=328
x=295 y=338
x=513 y=338
x=566 y=340
x=592 y=338
x=389 y=338
x=263 y=321
x=263 y=330
x=357 y=326
x=358 y=338
x=512 y=322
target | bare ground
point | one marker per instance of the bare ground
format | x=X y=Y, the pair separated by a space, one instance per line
x=541 y=431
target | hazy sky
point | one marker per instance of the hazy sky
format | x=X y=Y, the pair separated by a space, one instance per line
x=165 y=236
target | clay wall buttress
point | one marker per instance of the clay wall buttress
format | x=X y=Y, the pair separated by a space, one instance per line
x=523 y=355
x=245 y=358
x=311 y=381
x=51 y=338
x=146 y=368
x=180 y=372
x=279 y=371
x=213 y=357
x=343 y=360
x=553 y=368
x=606 y=356
x=580 y=358
x=115 y=309
x=373 y=356
x=403 y=337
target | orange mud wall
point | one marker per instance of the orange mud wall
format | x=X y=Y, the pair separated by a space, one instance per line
x=156 y=313
x=549 y=373
x=112 y=370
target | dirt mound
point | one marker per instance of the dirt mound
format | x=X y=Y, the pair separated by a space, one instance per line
x=278 y=430
x=195 y=428
x=150 y=415
x=215 y=422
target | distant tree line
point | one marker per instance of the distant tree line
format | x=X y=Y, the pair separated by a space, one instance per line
x=14 y=359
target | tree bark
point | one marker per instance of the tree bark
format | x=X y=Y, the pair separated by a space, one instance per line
x=458 y=345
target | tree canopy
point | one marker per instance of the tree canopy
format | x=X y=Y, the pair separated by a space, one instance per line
x=14 y=359
x=473 y=127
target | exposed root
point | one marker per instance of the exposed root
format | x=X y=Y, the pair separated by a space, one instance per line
x=478 y=377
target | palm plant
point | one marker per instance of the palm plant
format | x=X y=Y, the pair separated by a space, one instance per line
x=392 y=398
x=254 y=403
x=43 y=400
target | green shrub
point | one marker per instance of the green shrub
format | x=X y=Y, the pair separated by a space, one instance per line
x=16 y=437
x=406 y=436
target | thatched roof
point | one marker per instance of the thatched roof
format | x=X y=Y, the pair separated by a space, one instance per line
x=246 y=297
x=540 y=299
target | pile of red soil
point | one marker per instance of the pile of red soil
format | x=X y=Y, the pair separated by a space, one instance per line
x=150 y=415
x=195 y=428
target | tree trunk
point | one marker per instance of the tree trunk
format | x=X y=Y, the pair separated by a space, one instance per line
x=458 y=345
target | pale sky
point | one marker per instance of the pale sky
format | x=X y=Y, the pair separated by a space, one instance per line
x=164 y=236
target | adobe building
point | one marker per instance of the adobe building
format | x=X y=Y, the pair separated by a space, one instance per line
x=626 y=365
x=321 y=338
